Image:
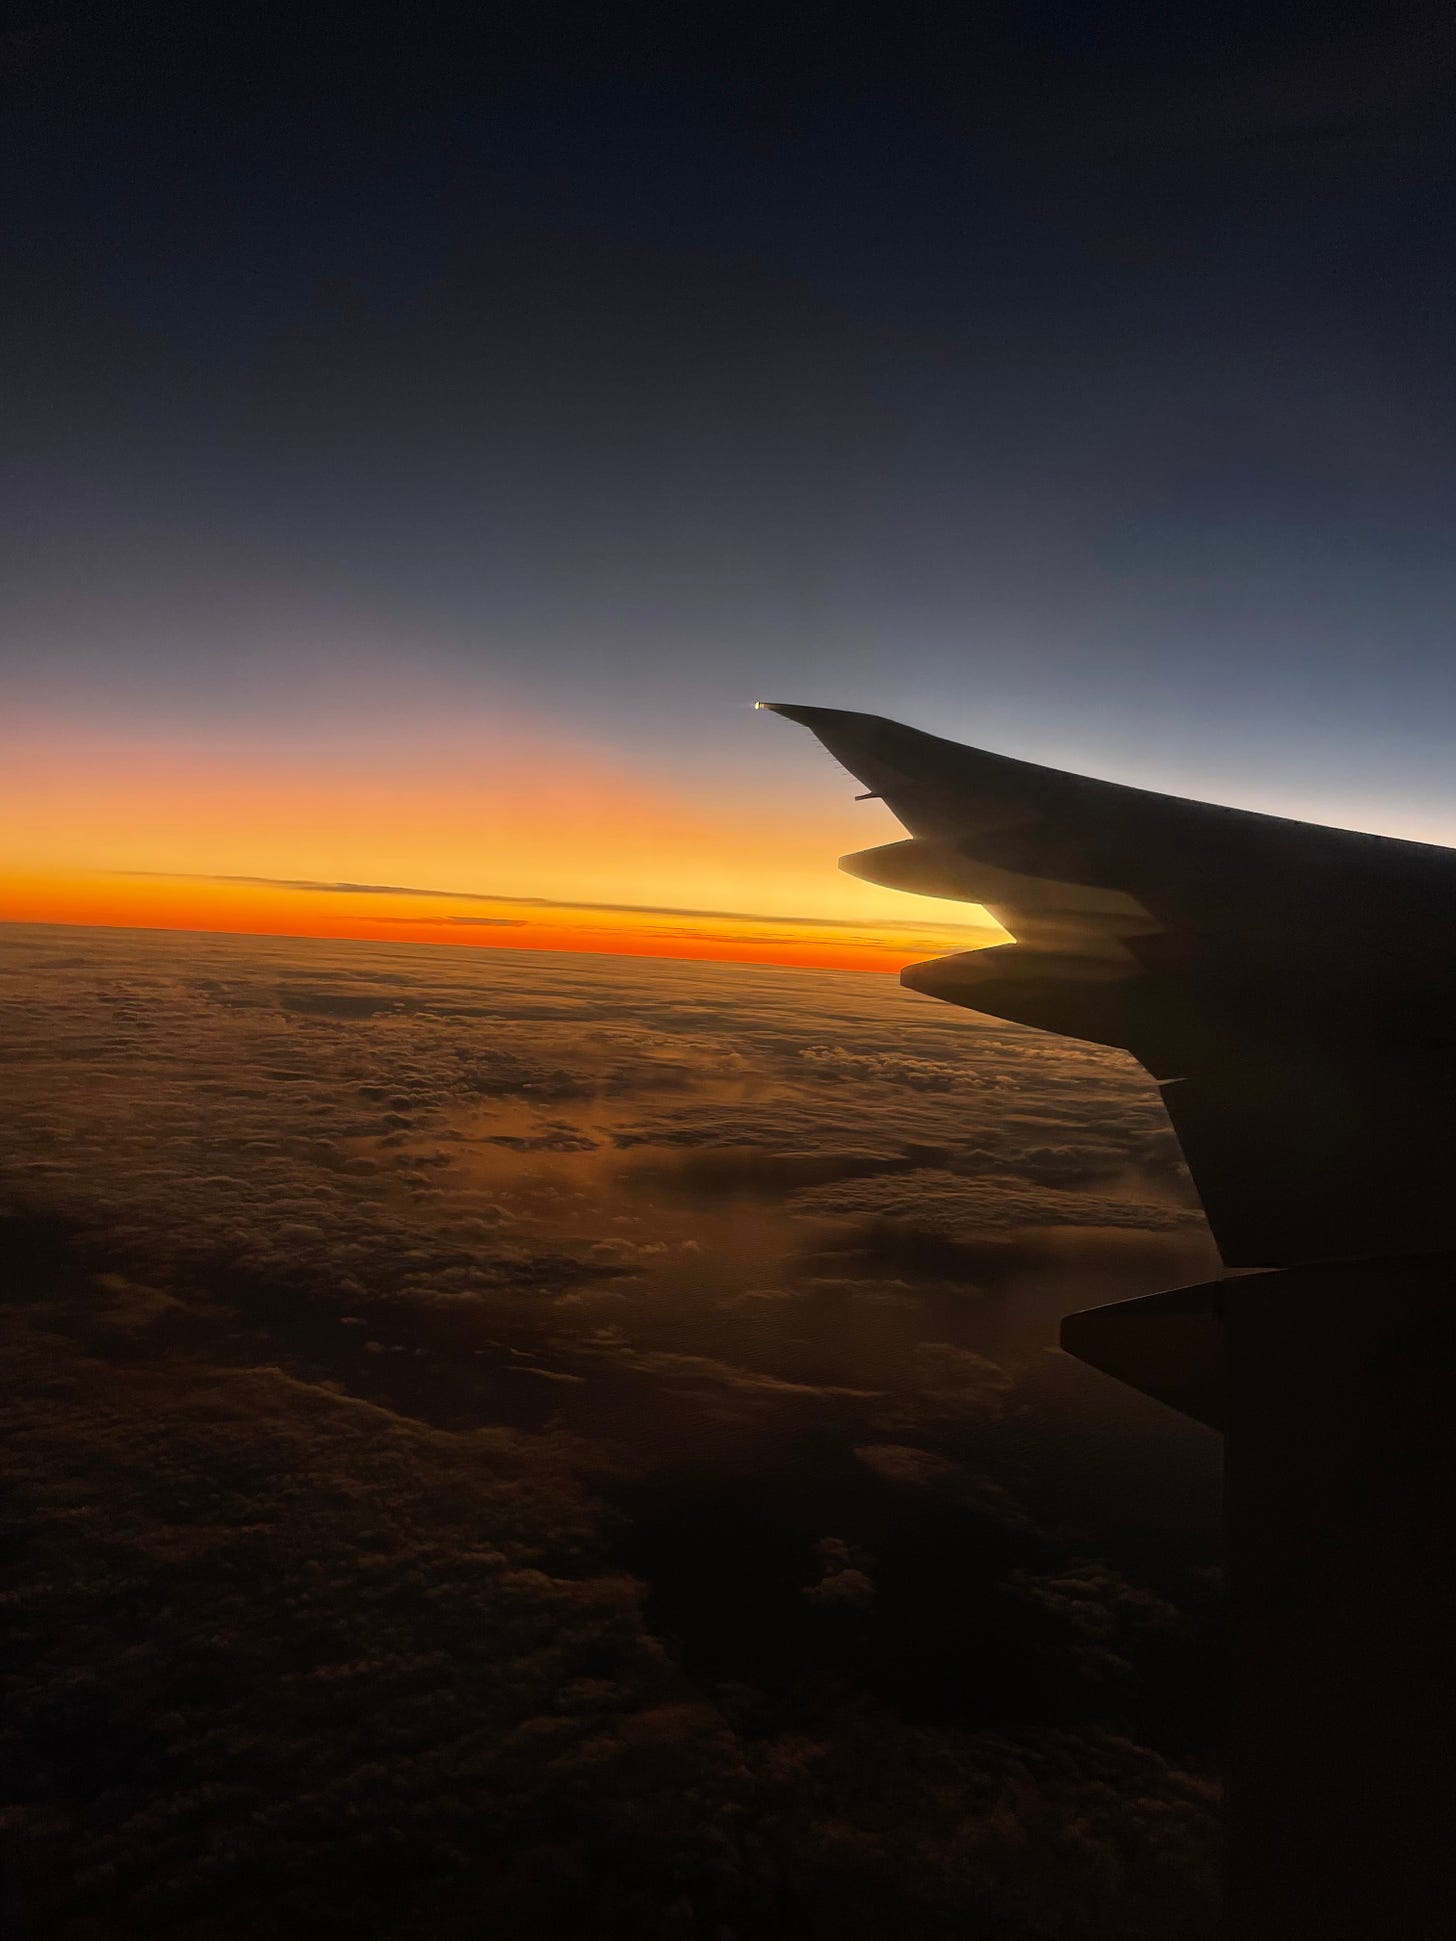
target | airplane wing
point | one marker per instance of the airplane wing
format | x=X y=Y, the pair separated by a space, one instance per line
x=1293 y=991
x=1290 y=987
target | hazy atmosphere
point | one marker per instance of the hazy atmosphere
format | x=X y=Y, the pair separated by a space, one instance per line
x=429 y=433
x=534 y=1404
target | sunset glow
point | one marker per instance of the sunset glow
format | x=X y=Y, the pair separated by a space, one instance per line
x=496 y=835
x=319 y=910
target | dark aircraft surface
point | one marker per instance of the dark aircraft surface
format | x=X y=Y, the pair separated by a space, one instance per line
x=1292 y=990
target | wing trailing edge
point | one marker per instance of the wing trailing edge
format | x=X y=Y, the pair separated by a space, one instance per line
x=1293 y=989
x=1289 y=986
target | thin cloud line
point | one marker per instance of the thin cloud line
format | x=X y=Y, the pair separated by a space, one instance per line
x=538 y=902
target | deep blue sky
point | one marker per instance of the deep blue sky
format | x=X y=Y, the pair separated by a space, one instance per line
x=1076 y=381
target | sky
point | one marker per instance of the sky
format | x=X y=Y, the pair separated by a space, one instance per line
x=427 y=432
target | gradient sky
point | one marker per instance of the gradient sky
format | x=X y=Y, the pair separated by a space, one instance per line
x=426 y=432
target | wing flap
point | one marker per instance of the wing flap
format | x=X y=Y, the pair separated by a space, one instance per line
x=1292 y=987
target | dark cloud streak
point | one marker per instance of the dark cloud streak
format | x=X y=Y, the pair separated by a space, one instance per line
x=534 y=902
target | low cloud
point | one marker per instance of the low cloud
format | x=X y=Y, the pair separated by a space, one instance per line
x=490 y=923
x=789 y=923
x=731 y=1170
x=478 y=1506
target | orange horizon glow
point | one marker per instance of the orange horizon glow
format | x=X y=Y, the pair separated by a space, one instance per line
x=100 y=900
x=138 y=825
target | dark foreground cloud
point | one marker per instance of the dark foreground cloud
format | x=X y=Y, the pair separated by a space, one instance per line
x=522 y=1447
x=288 y=1660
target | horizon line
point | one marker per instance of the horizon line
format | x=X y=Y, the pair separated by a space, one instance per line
x=444 y=943
x=345 y=888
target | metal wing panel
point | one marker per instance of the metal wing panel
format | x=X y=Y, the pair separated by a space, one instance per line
x=1290 y=986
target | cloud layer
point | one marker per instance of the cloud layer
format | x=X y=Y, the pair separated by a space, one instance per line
x=519 y=1440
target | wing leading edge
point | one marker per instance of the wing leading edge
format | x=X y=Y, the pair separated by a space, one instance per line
x=1290 y=987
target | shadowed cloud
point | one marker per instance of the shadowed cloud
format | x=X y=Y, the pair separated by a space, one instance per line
x=559 y=1450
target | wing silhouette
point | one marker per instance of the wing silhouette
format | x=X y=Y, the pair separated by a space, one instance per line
x=1290 y=987
x=1291 y=990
